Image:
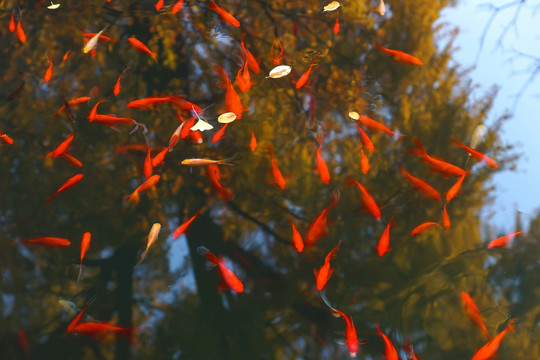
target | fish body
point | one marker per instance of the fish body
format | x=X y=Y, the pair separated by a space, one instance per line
x=375 y=126
x=420 y=229
x=150 y=102
x=138 y=45
x=323 y=274
x=297 y=242
x=304 y=78
x=182 y=228
x=275 y=172
x=400 y=56
x=149 y=183
x=92 y=43
x=476 y=154
x=436 y=164
x=383 y=246
x=205 y=162
x=71 y=182
x=48 y=241
x=62 y=149
x=366 y=141
x=322 y=169
x=488 y=351
x=389 y=350
x=364 y=162
x=445 y=218
x=473 y=314
x=502 y=241
x=152 y=238
x=454 y=190
x=48 y=74
x=351 y=339
x=214 y=175
x=104 y=330
x=85 y=245
x=177 y=6
x=231 y=280
x=253 y=65
x=252 y=141
x=5 y=139
x=419 y=184
x=225 y=16
x=369 y=203
x=319 y=227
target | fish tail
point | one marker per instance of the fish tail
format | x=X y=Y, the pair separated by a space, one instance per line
x=129 y=334
x=80 y=271
x=212 y=5
x=134 y=196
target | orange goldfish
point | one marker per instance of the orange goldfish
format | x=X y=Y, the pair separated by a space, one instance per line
x=48 y=73
x=182 y=228
x=389 y=350
x=502 y=241
x=454 y=190
x=276 y=56
x=384 y=241
x=214 y=175
x=336 y=25
x=104 y=330
x=158 y=159
x=20 y=32
x=252 y=62
x=376 y=126
x=473 y=314
x=420 y=185
x=297 y=242
x=351 y=339
x=142 y=48
x=219 y=134
x=423 y=227
x=65 y=57
x=85 y=245
x=111 y=121
x=12 y=22
x=445 y=218
x=488 y=351
x=177 y=6
x=147 y=166
x=370 y=204
x=72 y=160
x=277 y=176
x=476 y=154
x=76 y=101
x=243 y=79
x=71 y=182
x=225 y=16
x=232 y=100
x=152 y=237
x=400 y=56
x=92 y=116
x=436 y=164
x=159 y=5
x=366 y=141
x=230 y=279
x=322 y=169
x=304 y=78
x=150 y=182
x=62 y=149
x=364 y=162
x=48 y=241
x=150 y=102
x=319 y=227
x=5 y=139
x=253 y=141
x=324 y=274
x=116 y=88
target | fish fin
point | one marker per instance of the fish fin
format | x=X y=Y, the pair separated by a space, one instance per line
x=316 y=272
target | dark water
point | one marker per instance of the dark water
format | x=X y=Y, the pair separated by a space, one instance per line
x=171 y=299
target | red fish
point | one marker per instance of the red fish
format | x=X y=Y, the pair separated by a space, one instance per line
x=159 y=5
x=336 y=25
x=182 y=228
x=502 y=241
x=71 y=182
x=243 y=79
x=48 y=73
x=370 y=204
x=116 y=88
x=232 y=100
x=436 y=164
x=142 y=48
x=65 y=57
x=62 y=149
x=297 y=242
x=488 y=351
x=389 y=350
x=324 y=274
x=186 y=129
x=85 y=245
x=376 y=126
x=225 y=16
x=158 y=159
x=304 y=78
x=219 y=134
x=277 y=176
x=150 y=102
x=400 y=56
x=253 y=141
x=476 y=154
x=103 y=331
x=92 y=116
x=76 y=101
x=76 y=320
x=364 y=162
x=72 y=160
x=48 y=241
x=149 y=183
x=101 y=37
x=147 y=166
x=351 y=339
x=420 y=185
x=366 y=141
x=177 y=6
x=445 y=218
x=20 y=32
x=5 y=139
x=322 y=169
x=230 y=279
x=12 y=22
x=409 y=349
x=319 y=226
x=111 y=121
x=252 y=62
x=214 y=175
x=23 y=340
x=383 y=246
x=420 y=229
x=473 y=314
x=454 y=190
